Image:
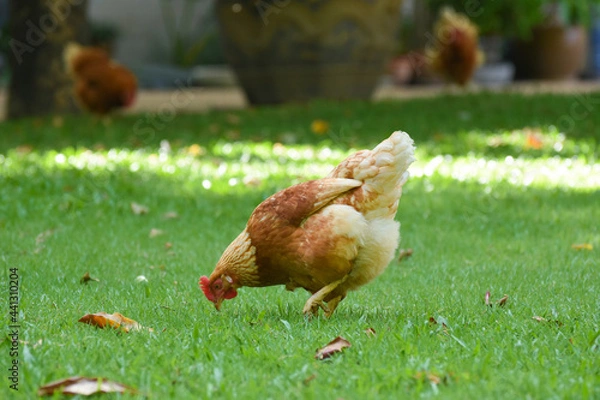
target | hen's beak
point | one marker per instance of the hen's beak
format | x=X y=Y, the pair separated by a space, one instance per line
x=218 y=304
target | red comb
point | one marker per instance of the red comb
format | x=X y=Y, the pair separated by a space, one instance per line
x=205 y=286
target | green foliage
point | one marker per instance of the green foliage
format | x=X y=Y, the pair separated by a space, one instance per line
x=187 y=47
x=517 y=18
x=474 y=218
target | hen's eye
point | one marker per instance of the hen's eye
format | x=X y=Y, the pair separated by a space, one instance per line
x=217 y=286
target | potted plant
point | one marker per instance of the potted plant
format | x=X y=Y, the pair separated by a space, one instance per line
x=548 y=39
x=557 y=47
x=297 y=50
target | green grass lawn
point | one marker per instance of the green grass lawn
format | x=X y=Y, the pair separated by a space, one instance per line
x=503 y=187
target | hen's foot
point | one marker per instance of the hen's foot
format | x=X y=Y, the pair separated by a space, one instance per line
x=316 y=300
x=312 y=309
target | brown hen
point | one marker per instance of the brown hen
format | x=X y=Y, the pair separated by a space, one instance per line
x=455 y=54
x=101 y=85
x=328 y=236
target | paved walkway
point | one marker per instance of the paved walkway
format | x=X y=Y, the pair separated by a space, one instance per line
x=202 y=99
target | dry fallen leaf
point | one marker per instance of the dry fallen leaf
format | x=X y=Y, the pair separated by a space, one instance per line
x=533 y=141
x=432 y=378
x=84 y=386
x=41 y=238
x=58 y=121
x=582 y=246
x=195 y=150
x=370 y=332
x=309 y=379
x=502 y=301
x=232 y=134
x=233 y=119
x=442 y=320
x=404 y=253
x=319 y=126
x=155 y=232
x=170 y=215
x=542 y=319
x=487 y=299
x=335 y=346
x=86 y=278
x=251 y=181
x=168 y=245
x=139 y=209
x=116 y=321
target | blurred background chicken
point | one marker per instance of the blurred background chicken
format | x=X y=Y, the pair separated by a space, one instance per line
x=328 y=236
x=101 y=85
x=455 y=55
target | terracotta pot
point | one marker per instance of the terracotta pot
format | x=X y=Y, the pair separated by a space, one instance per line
x=297 y=50
x=552 y=53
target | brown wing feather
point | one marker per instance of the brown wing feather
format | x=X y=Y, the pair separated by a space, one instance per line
x=281 y=232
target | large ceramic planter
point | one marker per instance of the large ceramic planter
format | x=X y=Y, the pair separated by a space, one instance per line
x=297 y=50
x=553 y=53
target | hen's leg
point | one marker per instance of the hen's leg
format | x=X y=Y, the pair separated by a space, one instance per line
x=332 y=305
x=316 y=300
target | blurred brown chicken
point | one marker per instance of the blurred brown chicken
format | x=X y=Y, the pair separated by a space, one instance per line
x=455 y=54
x=101 y=85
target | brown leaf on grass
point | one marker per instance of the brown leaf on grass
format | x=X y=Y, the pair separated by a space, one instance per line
x=442 y=321
x=370 y=332
x=195 y=150
x=139 y=209
x=86 y=278
x=542 y=319
x=309 y=379
x=487 y=299
x=251 y=181
x=24 y=149
x=155 y=232
x=233 y=119
x=79 y=385
x=58 y=121
x=582 y=246
x=432 y=378
x=502 y=301
x=533 y=141
x=41 y=238
x=319 y=126
x=232 y=134
x=404 y=253
x=335 y=346
x=116 y=321
x=434 y=321
x=168 y=245
x=170 y=215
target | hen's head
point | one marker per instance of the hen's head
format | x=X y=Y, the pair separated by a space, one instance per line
x=218 y=289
